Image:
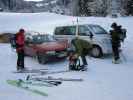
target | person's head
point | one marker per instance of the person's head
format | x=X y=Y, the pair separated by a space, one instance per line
x=113 y=25
x=22 y=30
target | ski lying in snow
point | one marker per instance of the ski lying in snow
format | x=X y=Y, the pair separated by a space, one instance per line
x=55 y=72
x=50 y=82
x=36 y=83
x=32 y=71
x=56 y=79
x=21 y=85
x=52 y=72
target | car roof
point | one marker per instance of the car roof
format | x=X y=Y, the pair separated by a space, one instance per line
x=78 y=25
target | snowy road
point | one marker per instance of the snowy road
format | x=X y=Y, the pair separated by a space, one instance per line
x=102 y=81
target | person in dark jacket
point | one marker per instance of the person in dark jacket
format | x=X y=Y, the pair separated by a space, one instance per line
x=82 y=48
x=115 y=40
x=20 y=40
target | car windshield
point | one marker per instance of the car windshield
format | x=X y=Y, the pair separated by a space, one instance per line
x=98 y=30
x=43 y=38
x=51 y=38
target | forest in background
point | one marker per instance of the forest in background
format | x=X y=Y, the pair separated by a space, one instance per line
x=70 y=7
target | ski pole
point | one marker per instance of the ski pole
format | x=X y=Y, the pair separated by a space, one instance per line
x=56 y=83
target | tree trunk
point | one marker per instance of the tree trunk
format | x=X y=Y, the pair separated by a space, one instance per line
x=75 y=7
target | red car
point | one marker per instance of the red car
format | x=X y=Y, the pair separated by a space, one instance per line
x=45 y=47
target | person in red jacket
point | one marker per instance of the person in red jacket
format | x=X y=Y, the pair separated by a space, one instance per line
x=20 y=40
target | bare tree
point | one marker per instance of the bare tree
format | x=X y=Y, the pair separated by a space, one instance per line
x=75 y=7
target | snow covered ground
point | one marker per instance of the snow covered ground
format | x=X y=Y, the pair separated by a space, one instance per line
x=102 y=81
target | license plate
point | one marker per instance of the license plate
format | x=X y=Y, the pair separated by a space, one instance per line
x=62 y=55
x=51 y=52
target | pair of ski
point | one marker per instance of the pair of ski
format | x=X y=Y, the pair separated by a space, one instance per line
x=39 y=81
x=48 y=83
x=27 y=85
x=23 y=85
x=50 y=78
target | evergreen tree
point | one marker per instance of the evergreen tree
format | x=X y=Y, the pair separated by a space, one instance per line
x=84 y=8
x=129 y=7
x=93 y=7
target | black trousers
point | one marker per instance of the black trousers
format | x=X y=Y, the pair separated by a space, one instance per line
x=20 y=60
x=115 y=49
x=83 y=57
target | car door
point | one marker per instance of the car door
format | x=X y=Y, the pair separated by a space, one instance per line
x=84 y=33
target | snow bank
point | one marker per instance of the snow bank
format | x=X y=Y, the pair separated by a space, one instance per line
x=46 y=22
x=102 y=81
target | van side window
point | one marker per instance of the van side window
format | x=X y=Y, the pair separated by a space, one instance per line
x=98 y=30
x=84 y=31
x=59 y=31
x=69 y=30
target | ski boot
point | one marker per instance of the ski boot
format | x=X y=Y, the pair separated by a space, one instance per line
x=116 y=61
x=83 y=68
x=21 y=69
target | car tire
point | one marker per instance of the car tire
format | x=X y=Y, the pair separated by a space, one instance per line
x=96 y=51
x=41 y=58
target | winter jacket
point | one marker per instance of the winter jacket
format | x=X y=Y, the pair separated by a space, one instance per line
x=82 y=47
x=20 y=41
x=115 y=36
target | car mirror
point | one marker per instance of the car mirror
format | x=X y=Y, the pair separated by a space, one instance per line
x=91 y=36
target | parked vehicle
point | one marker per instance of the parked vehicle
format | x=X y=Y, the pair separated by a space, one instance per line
x=45 y=47
x=28 y=37
x=1 y=10
x=94 y=34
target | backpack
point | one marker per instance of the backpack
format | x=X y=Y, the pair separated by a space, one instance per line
x=123 y=34
x=13 y=41
x=75 y=66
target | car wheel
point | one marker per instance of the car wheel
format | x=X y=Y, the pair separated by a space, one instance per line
x=41 y=58
x=96 y=52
